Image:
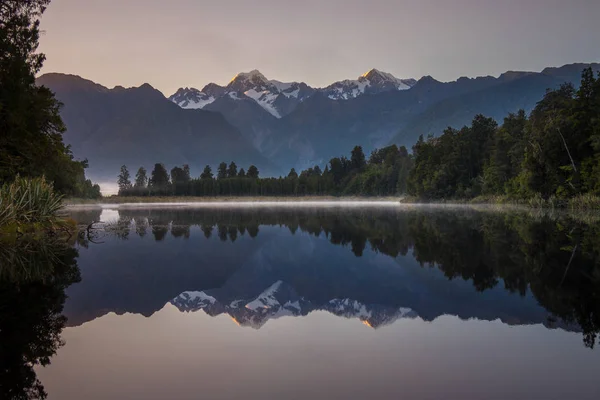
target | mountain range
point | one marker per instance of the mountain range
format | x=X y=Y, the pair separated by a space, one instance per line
x=277 y=125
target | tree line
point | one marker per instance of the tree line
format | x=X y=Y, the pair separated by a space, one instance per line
x=552 y=153
x=385 y=173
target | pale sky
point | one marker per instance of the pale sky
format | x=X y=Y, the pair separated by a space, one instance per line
x=176 y=43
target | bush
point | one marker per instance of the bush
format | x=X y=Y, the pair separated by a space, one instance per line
x=29 y=201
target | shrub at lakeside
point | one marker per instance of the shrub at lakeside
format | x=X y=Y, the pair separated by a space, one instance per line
x=31 y=205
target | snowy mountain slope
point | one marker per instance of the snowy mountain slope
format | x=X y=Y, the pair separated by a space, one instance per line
x=371 y=82
x=275 y=97
x=281 y=98
x=280 y=300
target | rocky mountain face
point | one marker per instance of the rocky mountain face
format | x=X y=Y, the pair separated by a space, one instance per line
x=140 y=127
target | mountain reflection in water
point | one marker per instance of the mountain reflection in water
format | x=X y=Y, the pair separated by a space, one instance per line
x=258 y=263
x=479 y=293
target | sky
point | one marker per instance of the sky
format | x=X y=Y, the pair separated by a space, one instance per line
x=189 y=43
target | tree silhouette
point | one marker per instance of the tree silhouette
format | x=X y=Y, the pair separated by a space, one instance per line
x=33 y=279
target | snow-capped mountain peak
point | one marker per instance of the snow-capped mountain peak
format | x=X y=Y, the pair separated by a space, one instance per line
x=279 y=300
x=191 y=98
x=280 y=98
x=371 y=82
x=277 y=98
x=252 y=75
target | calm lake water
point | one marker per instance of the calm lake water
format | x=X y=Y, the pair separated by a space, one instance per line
x=308 y=303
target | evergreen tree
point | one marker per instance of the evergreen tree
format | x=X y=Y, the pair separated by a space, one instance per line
x=357 y=158
x=124 y=181
x=232 y=170
x=207 y=173
x=242 y=173
x=293 y=173
x=141 y=180
x=222 y=171
x=159 y=178
x=252 y=172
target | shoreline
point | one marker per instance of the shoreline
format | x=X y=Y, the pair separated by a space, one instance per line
x=574 y=204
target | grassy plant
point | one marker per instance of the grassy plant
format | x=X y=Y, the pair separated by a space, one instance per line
x=584 y=201
x=29 y=202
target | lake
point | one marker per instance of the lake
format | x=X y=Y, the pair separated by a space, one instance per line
x=306 y=302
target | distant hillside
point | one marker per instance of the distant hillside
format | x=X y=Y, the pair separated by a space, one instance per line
x=513 y=91
x=140 y=127
x=321 y=128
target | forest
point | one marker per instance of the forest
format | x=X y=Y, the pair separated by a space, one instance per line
x=385 y=173
x=552 y=155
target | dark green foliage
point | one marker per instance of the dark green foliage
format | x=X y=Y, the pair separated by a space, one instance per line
x=222 y=171
x=555 y=153
x=252 y=172
x=357 y=158
x=232 y=170
x=29 y=201
x=385 y=174
x=180 y=179
x=123 y=180
x=141 y=180
x=31 y=143
x=159 y=180
x=207 y=173
x=33 y=277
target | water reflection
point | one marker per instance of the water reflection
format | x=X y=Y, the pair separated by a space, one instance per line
x=256 y=264
x=33 y=277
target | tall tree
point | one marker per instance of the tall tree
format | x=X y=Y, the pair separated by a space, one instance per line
x=252 y=172
x=141 y=180
x=31 y=141
x=232 y=170
x=357 y=158
x=222 y=171
x=186 y=172
x=159 y=178
x=124 y=181
x=207 y=173
x=242 y=173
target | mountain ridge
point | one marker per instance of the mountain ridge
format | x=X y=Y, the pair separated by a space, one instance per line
x=140 y=127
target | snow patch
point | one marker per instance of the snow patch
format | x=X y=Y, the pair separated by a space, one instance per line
x=265 y=99
x=266 y=299
x=196 y=104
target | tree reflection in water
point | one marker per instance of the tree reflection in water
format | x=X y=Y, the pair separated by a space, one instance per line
x=556 y=257
x=33 y=277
